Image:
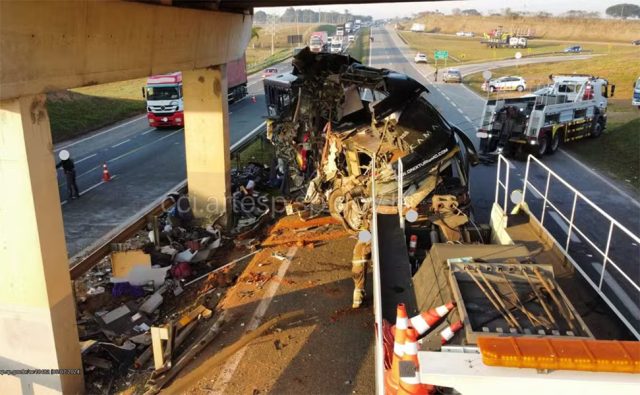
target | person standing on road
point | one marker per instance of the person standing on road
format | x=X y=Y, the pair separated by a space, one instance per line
x=361 y=259
x=69 y=172
x=435 y=76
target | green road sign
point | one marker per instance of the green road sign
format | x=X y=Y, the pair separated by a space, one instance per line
x=440 y=55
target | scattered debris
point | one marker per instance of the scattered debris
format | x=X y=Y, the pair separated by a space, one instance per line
x=123 y=261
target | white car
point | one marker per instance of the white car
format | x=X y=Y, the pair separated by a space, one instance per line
x=352 y=39
x=510 y=83
x=420 y=58
x=460 y=34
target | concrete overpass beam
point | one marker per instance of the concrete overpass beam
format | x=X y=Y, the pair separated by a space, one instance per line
x=206 y=118
x=54 y=45
x=37 y=310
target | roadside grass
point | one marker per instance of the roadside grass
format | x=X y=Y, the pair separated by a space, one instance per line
x=270 y=60
x=260 y=150
x=469 y=49
x=617 y=69
x=75 y=112
x=616 y=152
x=570 y=29
x=360 y=48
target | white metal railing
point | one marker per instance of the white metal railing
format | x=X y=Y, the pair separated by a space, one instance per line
x=499 y=183
x=613 y=224
x=377 y=286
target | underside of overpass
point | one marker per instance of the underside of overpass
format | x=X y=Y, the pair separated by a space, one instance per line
x=47 y=46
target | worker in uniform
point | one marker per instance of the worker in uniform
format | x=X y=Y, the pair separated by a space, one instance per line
x=361 y=259
x=69 y=168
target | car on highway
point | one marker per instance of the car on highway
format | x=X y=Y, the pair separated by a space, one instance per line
x=452 y=75
x=420 y=58
x=509 y=83
x=465 y=34
x=573 y=48
x=635 y=42
x=352 y=39
x=269 y=72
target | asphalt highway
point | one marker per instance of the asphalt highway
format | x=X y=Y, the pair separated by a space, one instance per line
x=144 y=163
x=463 y=108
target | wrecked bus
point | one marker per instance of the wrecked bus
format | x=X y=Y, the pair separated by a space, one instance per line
x=336 y=121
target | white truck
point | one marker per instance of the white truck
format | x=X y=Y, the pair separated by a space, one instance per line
x=418 y=27
x=348 y=27
x=336 y=46
x=574 y=107
x=340 y=30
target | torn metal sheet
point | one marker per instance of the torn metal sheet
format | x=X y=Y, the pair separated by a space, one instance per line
x=333 y=118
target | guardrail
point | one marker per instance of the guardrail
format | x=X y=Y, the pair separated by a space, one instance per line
x=269 y=61
x=629 y=310
x=377 y=287
x=92 y=255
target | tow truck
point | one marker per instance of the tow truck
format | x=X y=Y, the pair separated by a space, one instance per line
x=574 y=107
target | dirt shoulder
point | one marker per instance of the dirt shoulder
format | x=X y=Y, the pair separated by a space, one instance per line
x=328 y=349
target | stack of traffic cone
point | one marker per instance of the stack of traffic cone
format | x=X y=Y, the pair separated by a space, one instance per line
x=411 y=385
x=392 y=376
x=105 y=173
x=423 y=322
x=448 y=332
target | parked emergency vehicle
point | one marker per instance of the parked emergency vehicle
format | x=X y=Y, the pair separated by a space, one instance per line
x=575 y=106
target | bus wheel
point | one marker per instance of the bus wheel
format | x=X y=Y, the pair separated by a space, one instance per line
x=541 y=149
x=555 y=143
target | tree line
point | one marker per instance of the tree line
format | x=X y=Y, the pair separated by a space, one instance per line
x=292 y=15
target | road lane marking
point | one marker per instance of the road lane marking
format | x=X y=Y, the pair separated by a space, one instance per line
x=149 y=131
x=88 y=189
x=601 y=178
x=120 y=143
x=143 y=146
x=230 y=367
x=85 y=158
x=98 y=134
x=560 y=221
x=628 y=302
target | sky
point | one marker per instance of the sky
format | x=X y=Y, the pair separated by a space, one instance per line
x=400 y=9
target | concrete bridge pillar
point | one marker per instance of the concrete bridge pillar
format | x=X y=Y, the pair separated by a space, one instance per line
x=206 y=135
x=37 y=310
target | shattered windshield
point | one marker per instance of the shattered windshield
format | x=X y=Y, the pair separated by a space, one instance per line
x=163 y=92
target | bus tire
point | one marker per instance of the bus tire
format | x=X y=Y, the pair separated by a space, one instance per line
x=555 y=143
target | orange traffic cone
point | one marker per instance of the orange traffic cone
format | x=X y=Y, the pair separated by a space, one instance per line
x=448 y=332
x=425 y=321
x=105 y=173
x=412 y=385
x=392 y=376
